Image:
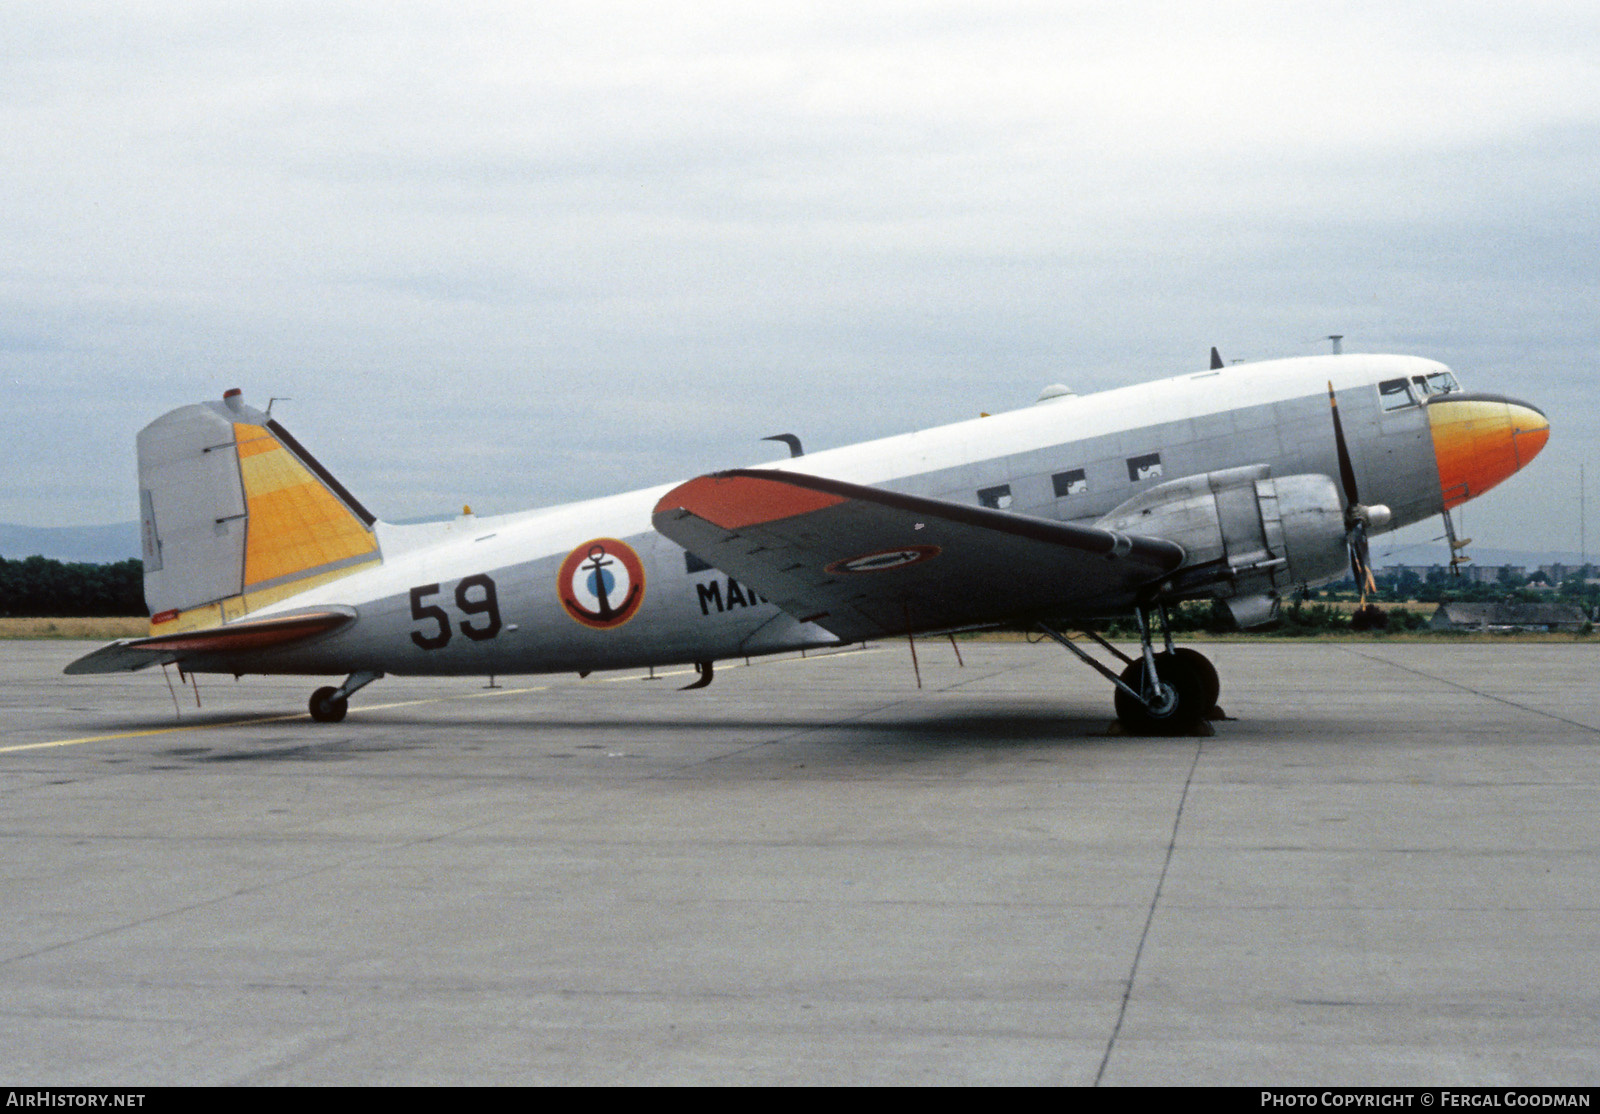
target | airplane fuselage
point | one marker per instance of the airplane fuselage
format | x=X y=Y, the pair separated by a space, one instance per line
x=532 y=592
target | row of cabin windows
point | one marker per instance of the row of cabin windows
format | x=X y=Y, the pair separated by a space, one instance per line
x=1074 y=482
x=1393 y=394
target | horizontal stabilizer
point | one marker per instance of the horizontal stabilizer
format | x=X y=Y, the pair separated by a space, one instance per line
x=862 y=562
x=129 y=654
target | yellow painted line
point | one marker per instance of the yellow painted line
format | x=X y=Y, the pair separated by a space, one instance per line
x=849 y=653
x=435 y=700
x=252 y=722
x=150 y=731
x=182 y=727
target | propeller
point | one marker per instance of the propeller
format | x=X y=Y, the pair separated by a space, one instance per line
x=1359 y=518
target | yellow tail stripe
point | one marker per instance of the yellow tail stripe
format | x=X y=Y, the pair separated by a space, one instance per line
x=297 y=526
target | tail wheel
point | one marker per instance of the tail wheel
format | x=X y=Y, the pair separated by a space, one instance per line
x=327 y=706
x=1181 y=697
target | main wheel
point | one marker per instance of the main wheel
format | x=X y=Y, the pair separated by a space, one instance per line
x=1194 y=659
x=327 y=706
x=1180 y=702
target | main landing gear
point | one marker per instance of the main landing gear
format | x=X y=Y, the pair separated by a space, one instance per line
x=1168 y=693
x=329 y=704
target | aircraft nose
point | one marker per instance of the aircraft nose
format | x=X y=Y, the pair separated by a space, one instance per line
x=1480 y=439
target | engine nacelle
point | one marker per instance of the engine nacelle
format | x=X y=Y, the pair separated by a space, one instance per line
x=1249 y=537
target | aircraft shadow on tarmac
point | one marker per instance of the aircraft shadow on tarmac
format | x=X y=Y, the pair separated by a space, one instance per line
x=891 y=739
x=332 y=750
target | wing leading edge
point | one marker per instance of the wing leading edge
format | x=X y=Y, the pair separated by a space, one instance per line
x=862 y=562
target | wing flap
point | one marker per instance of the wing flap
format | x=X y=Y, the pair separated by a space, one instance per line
x=129 y=654
x=863 y=562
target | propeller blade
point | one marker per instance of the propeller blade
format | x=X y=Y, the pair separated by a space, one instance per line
x=1347 y=471
x=1361 y=559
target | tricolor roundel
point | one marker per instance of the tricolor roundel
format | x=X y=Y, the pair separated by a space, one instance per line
x=601 y=583
x=884 y=559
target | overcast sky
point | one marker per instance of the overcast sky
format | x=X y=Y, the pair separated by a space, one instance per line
x=515 y=254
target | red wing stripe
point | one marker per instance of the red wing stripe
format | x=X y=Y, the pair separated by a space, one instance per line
x=735 y=501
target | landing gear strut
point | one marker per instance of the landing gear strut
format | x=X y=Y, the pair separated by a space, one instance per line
x=329 y=704
x=1167 y=693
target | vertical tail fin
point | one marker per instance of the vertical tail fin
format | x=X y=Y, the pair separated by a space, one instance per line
x=235 y=515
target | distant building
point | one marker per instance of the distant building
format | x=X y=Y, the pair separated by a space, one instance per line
x=1468 y=573
x=1508 y=616
x=1421 y=572
x=1559 y=573
x=1555 y=575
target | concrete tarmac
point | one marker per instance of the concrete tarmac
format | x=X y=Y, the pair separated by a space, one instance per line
x=1382 y=872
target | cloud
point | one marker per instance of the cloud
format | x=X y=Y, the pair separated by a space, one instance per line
x=623 y=231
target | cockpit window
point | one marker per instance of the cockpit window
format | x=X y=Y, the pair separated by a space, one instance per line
x=1439 y=383
x=1395 y=394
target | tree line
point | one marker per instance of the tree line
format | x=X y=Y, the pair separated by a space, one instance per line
x=41 y=587
x=1298 y=616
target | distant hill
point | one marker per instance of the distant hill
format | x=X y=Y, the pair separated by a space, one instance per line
x=91 y=544
x=1384 y=557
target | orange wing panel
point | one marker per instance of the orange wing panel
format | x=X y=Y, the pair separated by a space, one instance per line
x=734 y=502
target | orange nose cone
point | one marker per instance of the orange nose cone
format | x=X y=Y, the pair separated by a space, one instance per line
x=1479 y=440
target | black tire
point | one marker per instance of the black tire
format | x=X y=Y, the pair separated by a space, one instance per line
x=1186 y=703
x=1194 y=659
x=327 y=706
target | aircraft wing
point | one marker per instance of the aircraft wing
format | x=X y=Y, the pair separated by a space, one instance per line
x=862 y=562
x=128 y=654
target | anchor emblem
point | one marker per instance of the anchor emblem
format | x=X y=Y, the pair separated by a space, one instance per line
x=601 y=583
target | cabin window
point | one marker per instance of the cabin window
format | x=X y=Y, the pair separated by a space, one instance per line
x=1439 y=383
x=1395 y=394
x=997 y=497
x=1070 y=483
x=1146 y=467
